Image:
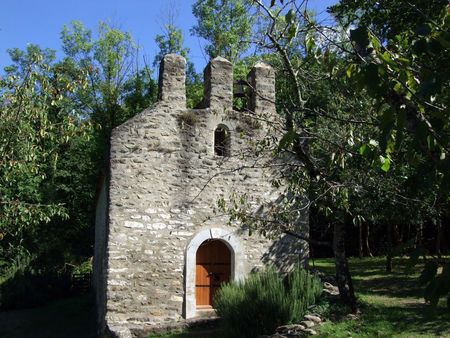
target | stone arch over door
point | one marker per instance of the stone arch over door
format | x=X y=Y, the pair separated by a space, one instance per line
x=231 y=240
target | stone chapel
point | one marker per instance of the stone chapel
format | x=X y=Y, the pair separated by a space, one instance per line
x=162 y=246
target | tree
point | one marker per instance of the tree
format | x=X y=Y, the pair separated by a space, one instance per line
x=226 y=25
x=171 y=41
x=109 y=62
x=50 y=173
x=402 y=133
x=37 y=121
x=404 y=67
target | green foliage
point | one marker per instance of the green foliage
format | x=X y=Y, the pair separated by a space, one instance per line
x=262 y=302
x=406 y=72
x=110 y=61
x=56 y=119
x=85 y=267
x=38 y=121
x=172 y=42
x=226 y=25
x=188 y=118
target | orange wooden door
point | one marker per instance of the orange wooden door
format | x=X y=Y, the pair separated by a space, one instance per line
x=213 y=267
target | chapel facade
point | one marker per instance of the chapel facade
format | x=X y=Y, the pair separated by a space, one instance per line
x=162 y=245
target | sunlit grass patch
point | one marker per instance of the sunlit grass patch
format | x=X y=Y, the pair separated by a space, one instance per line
x=392 y=303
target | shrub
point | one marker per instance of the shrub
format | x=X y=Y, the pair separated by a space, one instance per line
x=187 y=118
x=263 y=301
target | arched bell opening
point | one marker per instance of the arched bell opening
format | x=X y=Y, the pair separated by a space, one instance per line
x=222 y=141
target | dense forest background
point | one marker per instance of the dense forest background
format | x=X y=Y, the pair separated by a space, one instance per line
x=366 y=104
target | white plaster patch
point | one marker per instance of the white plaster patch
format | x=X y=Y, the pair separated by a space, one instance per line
x=176 y=299
x=150 y=211
x=118 y=270
x=115 y=282
x=182 y=233
x=118 y=258
x=157 y=226
x=142 y=298
x=131 y=224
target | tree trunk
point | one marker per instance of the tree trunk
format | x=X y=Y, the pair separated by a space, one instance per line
x=343 y=277
x=389 y=249
x=366 y=240
x=360 y=240
x=438 y=237
x=418 y=241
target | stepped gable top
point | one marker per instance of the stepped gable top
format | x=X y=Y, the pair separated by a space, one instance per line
x=218 y=87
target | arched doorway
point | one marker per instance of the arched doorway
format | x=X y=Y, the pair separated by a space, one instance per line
x=212 y=268
x=238 y=263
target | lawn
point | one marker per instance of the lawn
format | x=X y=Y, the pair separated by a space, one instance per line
x=392 y=306
x=392 y=303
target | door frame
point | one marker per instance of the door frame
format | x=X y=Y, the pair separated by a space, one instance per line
x=238 y=265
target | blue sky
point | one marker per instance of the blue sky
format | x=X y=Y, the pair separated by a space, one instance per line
x=41 y=21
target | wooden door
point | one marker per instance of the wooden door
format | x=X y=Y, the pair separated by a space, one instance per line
x=213 y=267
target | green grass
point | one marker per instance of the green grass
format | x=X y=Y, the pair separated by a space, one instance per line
x=392 y=303
x=392 y=306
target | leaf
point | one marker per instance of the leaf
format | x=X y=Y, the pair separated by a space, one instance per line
x=386 y=163
x=371 y=78
x=444 y=40
x=364 y=150
x=360 y=36
x=292 y=32
x=310 y=43
x=431 y=142
x=373 y=143
x=289 y=17
x=375 y=42
x=386 y=57
x=287 y=140
x=350 y=70
x=420 y=46
x=387 y=123
x=423 y=30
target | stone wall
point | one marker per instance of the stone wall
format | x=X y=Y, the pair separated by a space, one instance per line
x=165 y=181
x=99 y=276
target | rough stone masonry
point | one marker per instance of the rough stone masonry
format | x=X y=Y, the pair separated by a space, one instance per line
x=159 y=203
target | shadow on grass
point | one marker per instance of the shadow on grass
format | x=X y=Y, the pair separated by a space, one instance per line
x=393 y=303
x=413 y=318
x=398 y=286
x=392 y=321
